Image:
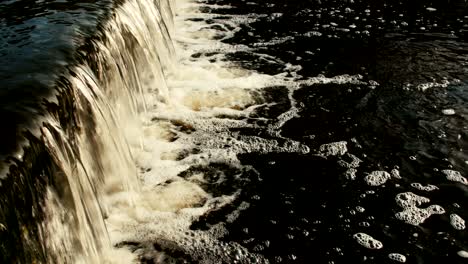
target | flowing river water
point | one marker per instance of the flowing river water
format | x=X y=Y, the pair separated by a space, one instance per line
x=221 y=131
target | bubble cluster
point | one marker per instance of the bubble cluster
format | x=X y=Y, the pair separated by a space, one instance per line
x=360 y=209
x=350 y=174
x=426 y=188
x=211 y=100
x=367 y=241
x=377 y=178
x=395 y=173
x=411 y=213
x=349 y=161
x=457 y=222
x=334 y=149
x=455 y=176
x=448 y=111
x=397 y=257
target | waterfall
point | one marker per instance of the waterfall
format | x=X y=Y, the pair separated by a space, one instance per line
x=57 y=188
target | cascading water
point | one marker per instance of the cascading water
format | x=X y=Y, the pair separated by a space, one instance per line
x=135 y=48
x=91 y=160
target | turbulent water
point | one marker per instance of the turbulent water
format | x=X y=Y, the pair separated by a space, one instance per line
x=234 y=131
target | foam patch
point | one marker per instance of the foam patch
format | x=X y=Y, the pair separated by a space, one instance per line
x=427 y=188
x=457 y=222
x=455 y=176
x=411 y=213
x=397 y=257
x=334 y=149
x=367 y=241
x=377 y=178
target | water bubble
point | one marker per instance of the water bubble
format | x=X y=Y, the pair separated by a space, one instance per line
x=397 y=257
x=427 y=188
x=360 y=209
x=367 y=241
x=457 y=222
x=364 y=224
x=448 y=111
x=455 y=176
x=334 y=149
x=377 y=178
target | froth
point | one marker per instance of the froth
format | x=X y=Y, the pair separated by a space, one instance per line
x=182 y=138
x=367 y=241
x=334 y=149
x=377 y=178
x=188 y=135
x=397 y=257
x=457 y=222
x=455 y=176
x=411 y=213
x=426 y=188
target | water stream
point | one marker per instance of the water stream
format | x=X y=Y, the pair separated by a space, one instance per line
x=203 y=131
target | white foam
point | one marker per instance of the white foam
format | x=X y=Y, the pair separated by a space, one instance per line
x=367 y=241
x=416 y=216
x=411 y=213
x=395 y=173
x=426 y=188
x=352 y=161
x=424 y=86
x=312 y=33
x=334 y=149
x=350 y=174
x=377 y=178
x=448 y=111
x=397 y=257
x=409 y=199
x=455 y=176
x=207 y=98
x=360 y=209
x=462 y=253
x=457 y=222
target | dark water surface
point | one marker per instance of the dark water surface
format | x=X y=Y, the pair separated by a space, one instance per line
x=414 y=55
x=38 y=41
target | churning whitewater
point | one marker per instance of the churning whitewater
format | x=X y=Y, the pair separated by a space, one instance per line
x=190 y=133
x=172 y=114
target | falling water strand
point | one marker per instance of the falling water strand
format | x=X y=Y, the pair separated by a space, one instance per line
x=96 y=165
